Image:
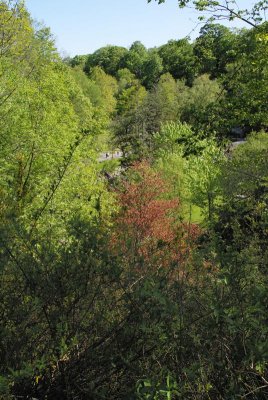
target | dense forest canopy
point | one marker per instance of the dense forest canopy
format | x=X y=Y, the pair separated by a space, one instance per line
x=134 y=214
x=217 y=84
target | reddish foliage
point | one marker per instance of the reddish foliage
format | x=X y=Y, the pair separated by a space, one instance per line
x=144 y=210
x=148 y=229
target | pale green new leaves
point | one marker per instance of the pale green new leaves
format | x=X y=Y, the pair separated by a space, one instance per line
x=203 y=177
x=171 y=137
x=49 y=169
x=195 y=178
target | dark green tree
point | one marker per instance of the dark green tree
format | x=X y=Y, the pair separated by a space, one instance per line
x=135 y=58
x=152 y=69
x=215 y=48
x=178 y=59
x=246 y=85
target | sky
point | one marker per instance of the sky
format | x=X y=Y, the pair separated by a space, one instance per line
x=83 y=26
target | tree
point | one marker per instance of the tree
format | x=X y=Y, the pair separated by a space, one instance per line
x=204 y=172
x=215 y=48
x=178 y=59
x=244 y=183
x=174 y=138
x=125 y=79
x=108 y=58
x=170 y=145
x=49 y=186
x=144 y=220
x=128 y=126
x=246 y=84
x=16 y=49
x=148 y=234
x=106 y=90
x=152 y=69
x=78 y=60
x=135 y=58
x=198 y=107
x=162 y=103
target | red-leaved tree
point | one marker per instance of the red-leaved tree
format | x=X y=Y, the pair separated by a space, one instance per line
x=149 y=233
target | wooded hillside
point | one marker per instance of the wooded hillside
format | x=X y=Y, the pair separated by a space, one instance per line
x=143 y=276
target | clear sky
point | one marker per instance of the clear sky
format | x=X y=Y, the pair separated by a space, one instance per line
x=83 y=26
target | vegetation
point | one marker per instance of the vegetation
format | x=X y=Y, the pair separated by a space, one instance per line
x=142 y=277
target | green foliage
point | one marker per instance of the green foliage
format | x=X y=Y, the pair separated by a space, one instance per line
x=129 y=133
x=152 y=69
x=109 y=58
x=198 y=107
x=215 y=49
x=160 y=105
x=174 y=138
x=135 y=59
x=204 y=172
x=192 y=165
x=246 y=83
x=148 y=390
x=49 y=186
x=242 y=176
x=107 y=288
x=78 y=61
x=178 y=59
x=105 y=90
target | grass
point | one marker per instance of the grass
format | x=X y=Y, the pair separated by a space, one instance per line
x=192 y=213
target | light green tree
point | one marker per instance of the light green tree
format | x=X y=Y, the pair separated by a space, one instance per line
x=152 y=69
x=107 y=86
x=203 y=178
x=197 y=107
x=50 y=191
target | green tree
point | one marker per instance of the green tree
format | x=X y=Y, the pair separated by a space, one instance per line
x=128 y=126
x=178 y=59
x=164 y=103
x=173 y=137
x=215 y=48
x=204 y=172
x=135 y=58
x=203 y=97
x=106 y=86
x=108 y=58
x=152 y=69
x=78 y=60
x=170 y=145
x=246 y=84
x=244 y=181
x=49 y=184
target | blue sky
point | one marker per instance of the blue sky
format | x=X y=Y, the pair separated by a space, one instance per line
x=83 y=26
